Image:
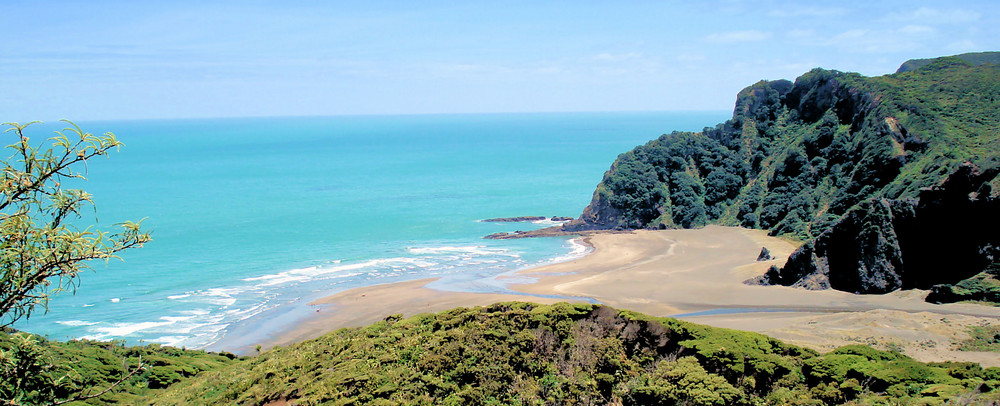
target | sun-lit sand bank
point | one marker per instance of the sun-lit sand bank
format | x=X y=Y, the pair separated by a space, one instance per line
x=678 y=272
x=363 y=306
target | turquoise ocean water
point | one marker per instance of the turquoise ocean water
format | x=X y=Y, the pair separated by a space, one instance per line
x=254 y=218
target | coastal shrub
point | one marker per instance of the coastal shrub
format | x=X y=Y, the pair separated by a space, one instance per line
x=529 y=354
x=983 y=287
x=871 y=370
x=812 y=149
x=982 y=338
x=41 y=371
x=685 y=381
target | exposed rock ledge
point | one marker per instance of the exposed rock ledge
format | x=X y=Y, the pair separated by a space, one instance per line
x=522 y=219
x=570 y=228
x=948 y=234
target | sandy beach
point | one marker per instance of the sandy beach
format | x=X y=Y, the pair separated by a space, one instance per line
x=696 y=275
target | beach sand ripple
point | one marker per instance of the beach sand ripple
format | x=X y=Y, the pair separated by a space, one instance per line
x=674 y=272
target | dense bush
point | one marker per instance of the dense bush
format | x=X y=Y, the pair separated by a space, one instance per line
x=795 y=157
x=39 y=371
x=528 y=354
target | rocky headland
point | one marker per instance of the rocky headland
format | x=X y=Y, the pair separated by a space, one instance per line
x=944 y=236
x=889 y=182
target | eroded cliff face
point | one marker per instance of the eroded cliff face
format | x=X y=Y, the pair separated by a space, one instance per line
x=864 y=240
x=793 y=155
x=889 y=179
x=599 y=214
x=944 y=236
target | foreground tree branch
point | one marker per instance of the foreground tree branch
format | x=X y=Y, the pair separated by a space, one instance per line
x=42 y=251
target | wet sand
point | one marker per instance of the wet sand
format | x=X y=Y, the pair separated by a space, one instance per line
x=674 y=272
x=363 y=306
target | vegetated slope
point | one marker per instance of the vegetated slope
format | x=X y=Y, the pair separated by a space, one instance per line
x=946 y=235
x=796 y=158
x=35 y=370
x=973 y=58
x=527 y=354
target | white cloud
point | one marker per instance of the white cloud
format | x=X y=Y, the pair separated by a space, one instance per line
x=873 y=41
x=791 y=70
x=850 y=35
x=464 y=67
x=808 y=12
x=800 y=34
x=691 y=57
x=468 y=70
x=738 y=36
x=927 y=15
x=548 y=70
x=917 y=30
x=962 y=46
x=609 y=57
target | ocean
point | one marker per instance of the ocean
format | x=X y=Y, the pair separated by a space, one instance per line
x=252 y=218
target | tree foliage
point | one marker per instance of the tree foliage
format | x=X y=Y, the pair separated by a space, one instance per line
x=43 y=246
x=578 y=354
x=40 y=371
x=795 y=157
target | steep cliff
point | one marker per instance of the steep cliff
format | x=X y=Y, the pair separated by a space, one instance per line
x=863 y=168
x=946 y=235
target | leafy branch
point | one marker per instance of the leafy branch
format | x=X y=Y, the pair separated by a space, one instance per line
x=41 y=251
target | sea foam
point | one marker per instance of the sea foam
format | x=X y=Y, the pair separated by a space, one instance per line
x=578 y=250
x=76 y=323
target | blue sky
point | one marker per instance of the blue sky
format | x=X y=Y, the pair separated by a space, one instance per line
x=86 y=60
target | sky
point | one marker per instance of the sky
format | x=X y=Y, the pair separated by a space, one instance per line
x=110 y=60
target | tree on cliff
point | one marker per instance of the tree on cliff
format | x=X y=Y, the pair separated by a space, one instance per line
x=44 y=241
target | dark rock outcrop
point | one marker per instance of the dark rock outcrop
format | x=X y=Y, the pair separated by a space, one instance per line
x=868 y=170
x=765 y=255
x=580 y=229
x=519 y=219
x=599 y=214
x=830 y=136
x=946 y=235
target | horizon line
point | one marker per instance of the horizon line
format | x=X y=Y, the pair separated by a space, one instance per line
x=373 y=115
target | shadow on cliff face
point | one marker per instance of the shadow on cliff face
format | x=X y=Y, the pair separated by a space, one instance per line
x=944 y=236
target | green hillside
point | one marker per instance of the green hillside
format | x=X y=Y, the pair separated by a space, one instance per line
x=504 y=354
x=527 y=354
x=891 y=182
x=797 y=157
x=38 y=371
x=974 y=58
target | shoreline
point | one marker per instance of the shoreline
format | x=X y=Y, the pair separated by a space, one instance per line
x=678 y=272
